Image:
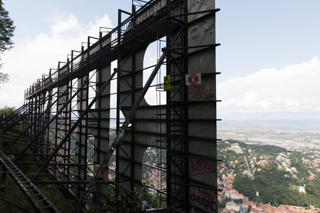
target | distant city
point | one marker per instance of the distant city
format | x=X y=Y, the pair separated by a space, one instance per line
x=291 y=135
x=251 y=162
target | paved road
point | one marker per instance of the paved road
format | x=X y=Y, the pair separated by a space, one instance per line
x=249 y=172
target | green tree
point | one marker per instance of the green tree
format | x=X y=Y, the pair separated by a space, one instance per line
x=6 y=33
x=7 y=110
x=223 y=203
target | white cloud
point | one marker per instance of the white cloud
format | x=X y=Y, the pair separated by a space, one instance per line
x=25 y=64
x=270 y=93
x=291 y=91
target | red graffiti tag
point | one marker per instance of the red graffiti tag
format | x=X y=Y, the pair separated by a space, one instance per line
x=200 y=91
x=205 y=199
x=205 y=194
x=200 y=167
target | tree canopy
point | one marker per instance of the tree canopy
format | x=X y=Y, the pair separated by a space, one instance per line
x=7 y=110
x=275 y=185
x=6 y=33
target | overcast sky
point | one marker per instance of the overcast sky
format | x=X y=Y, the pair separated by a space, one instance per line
x=269 y=55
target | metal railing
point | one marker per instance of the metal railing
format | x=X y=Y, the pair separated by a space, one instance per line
x=104 y=44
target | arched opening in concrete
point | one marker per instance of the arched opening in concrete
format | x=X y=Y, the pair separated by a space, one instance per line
x=92 y=89
x=156 y=94
x=113 y=120
x=154 y=175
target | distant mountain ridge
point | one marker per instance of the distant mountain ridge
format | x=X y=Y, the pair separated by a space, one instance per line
x=288 y=124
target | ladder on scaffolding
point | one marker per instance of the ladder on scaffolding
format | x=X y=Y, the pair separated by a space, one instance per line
x=32 y=193
x=119 y=136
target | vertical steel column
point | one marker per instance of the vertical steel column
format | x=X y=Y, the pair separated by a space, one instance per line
x=36 y=125
x=32 y=115
x=168 y=109
x=133 y=98
x=86 y=137
x=79 y=136
x=99 y=105
x=39 y=124
x=70 y=115
x=118 y=97
x=177 y=109
x=47 y=132
x=184 y=93
x=57 y=119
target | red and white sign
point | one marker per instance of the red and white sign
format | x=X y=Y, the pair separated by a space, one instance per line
x=193 y=79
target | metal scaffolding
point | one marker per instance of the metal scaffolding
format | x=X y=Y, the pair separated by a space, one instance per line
x=72 y=115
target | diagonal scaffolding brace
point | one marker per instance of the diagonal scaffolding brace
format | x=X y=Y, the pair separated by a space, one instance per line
x=85 y=112
x=119 y=136
x=36 y=120
x=48 y=124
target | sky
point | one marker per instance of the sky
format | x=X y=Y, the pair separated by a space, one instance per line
x=269 y=57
